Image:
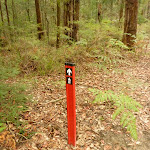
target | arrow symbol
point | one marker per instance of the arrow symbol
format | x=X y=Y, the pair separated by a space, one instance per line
x=69 y=72
x=69 y=81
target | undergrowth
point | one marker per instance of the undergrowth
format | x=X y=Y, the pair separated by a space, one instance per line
x=12 y=96
x=12 y=102
x=98 y=42
x=125 y=107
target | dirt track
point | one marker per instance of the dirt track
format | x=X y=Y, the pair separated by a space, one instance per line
x=48 y=115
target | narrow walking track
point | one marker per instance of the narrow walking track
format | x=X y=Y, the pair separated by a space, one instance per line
x=95 y=128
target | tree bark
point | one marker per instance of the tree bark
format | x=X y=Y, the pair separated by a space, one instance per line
x=99 y=15
x=71 y=18
x=14 y=13
x=58 y=24
x=39 y=22
x=8 y=20
x=66 y=17
x=130 y=24
x=148 y=10
x=121 y=9
x=75 y=20
x=2 y=18
x=71 y=9
x=28 y=10
x=42 y=4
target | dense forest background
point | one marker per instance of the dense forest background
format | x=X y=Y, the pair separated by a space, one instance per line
x=58 y=21
x=37 y=37
x=35 y=29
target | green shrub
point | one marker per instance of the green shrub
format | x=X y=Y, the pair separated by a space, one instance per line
x=12 y=96
x=8 y=68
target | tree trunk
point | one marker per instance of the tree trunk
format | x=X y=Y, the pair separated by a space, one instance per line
x=58 y=24
x=66 y=16
x=42 y=4
x=121 y=9
x=148 y=10
x=46 y=21
x=130 y=24
x=39 y=22
x=71 y=18
x=2 y=18
x=71 y=9
x=99 y=15
x=14 y=13
x=28 y=10
x=76 y=19
x=8 y=20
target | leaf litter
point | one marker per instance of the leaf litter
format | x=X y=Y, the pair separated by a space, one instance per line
x=47 y=114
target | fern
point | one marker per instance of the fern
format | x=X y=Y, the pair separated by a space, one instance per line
x=125 y=107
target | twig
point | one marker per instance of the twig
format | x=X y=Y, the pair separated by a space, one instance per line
x=22 y=136
x=145 y=64
x=64 y=97
x=57 y=100
x=7 y=122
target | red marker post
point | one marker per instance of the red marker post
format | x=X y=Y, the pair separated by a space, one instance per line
x=71 y=102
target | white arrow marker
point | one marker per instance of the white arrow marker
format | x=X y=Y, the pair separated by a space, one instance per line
x=69 y=81
x=69 y=72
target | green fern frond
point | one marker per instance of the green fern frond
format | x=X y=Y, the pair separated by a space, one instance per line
x=123 y=118
x=126 y=106
x=117 y=112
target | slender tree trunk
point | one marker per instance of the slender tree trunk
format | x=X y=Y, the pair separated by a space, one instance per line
x=14 y=13
x=71 y=18
x=54 y=18
x=99 y=13
x=148 y=10
x=121 y=9
x=47 y=29
x=45 y=14
x=130 y=24
x=39 y=22
x=42 y=13
x=8 y=20
x=28 y=10
x=2 y=18
x=71 y=9
x=46 y=20
x=66 y=16
x=58 y=24
x=76 y=19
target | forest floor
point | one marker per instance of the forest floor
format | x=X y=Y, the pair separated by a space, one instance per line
x=47 y=115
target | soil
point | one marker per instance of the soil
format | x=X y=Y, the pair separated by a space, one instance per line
x=47 y=118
